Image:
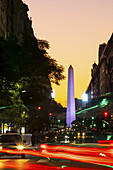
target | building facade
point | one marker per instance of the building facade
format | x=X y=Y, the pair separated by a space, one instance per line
x=102 y=73
x=14 y=20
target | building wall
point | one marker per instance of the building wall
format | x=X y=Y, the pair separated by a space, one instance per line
x=100 y=51
x=15 y=23
x=102 y=74
x=103 y=78
x=95 y=81
x=14 y=20
x=109 y=54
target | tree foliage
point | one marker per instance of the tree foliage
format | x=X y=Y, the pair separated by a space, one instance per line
x=11 y=105
x=24 y=67
x=51 y=67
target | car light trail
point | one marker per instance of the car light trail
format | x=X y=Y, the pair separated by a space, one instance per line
x=28 y=166
x=80 y=158
x=98 y=156
x=20 y=147
x=106 y=142
x=78 y=150
x=27 y=152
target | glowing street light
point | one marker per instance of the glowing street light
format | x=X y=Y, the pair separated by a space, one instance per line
x=53 y=94
x=85 y=97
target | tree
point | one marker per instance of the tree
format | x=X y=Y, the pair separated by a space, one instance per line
x=12 y=107
x=25 y=68
x=51 y=69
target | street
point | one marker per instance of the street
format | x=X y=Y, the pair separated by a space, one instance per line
x=53 y=157
x=32 y=164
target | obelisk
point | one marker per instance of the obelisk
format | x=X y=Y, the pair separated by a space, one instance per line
x=70 y=115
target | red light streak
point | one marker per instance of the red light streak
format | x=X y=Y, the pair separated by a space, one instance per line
x=106 y=142
x=98 y=156
x=20 y=165
x=80 y=158
x=26 y=151
x=28 y=166
x=78 y=150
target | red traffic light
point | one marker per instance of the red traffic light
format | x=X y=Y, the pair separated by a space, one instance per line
x=39 y=107
x=50 y=114
x=106 y=114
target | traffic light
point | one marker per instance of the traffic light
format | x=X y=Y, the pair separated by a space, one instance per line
x=39 y=107
x=106 y=114
x=50 y=114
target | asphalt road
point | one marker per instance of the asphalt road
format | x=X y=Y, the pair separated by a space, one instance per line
x=32 y=163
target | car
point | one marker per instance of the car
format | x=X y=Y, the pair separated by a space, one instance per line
x=11 y=141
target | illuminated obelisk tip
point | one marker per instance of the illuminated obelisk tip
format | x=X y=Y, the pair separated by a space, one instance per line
x=70 y=115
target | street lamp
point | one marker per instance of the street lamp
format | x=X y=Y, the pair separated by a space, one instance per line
x=53 y=94
x=84 y=99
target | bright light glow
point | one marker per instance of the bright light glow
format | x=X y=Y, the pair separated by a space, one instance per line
x=105 y=113
x=104 y=125
x=101 y=154
x=23 y=91
x=20 y=147
x=83 y=134
x=94 y=155
x=0 y=147
x=43 y=146
x=91 y=155
x=66 y=137
x=78 y=134
x=5 y=127
x=53 y=94
x=85 y=97
x=50 y=114
x=23 y=130
x=103 y=103
x=84 y=110
x=39 y=107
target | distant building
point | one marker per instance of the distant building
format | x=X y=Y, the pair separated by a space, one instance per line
x=78 y=104
x=102 y=73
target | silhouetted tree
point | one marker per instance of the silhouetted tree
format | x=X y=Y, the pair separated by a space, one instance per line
x=27 y=67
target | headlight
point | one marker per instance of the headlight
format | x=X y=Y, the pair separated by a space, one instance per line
x=0 y=147
x=20 y=147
